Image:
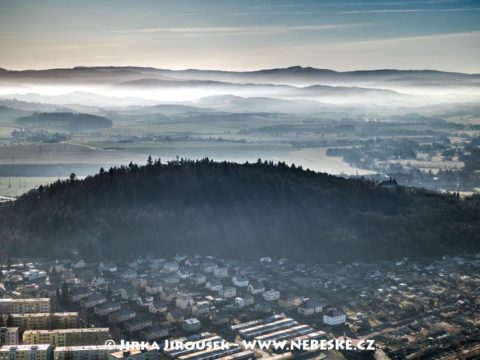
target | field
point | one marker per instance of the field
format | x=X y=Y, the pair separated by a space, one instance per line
x=15 y=186
x=312 y=158
x=48 y=162
x=61 y=153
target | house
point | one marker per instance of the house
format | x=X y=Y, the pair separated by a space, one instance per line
x=334 y=317
x=93 y=300
x=256 y=287
x=265 y=260
x=80 y=264
x=192 y=262
x=172 y=279
x=170 y=267
x=154 y=332
x=192 y=324
x=183 y=302
x=214 y=285
x=106 y=308
x=158 y=307
x=156 y=263
x=37 y=274
x=154 y=288
x=168 y=294
x=249 y=299
x=79 y=294
x=116 y=289
x=198 y=279
x=175 y=316
x=220 y=318
x=239 y=302
x=240 y=280
x=107 y=266
x=137 y=324
x=208 y=267
x=263 y=306
x=128 y=274
x=228 y=292
x=99 y=282
x=185 y=273
x=220 y=272
x=289 y=301
x=201 y=308
x=145 y=301
x=129 y=293
x=310 y=307
x=122 y=315
x=139 y=281
x=271 y=295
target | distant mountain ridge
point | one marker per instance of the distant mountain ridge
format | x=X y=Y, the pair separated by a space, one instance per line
x=293 y=72
x=142 y=85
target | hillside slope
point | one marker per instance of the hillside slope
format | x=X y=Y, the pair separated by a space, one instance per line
x=235 y=210
x=64 y=121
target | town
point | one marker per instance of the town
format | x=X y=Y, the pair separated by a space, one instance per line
x=78 y=309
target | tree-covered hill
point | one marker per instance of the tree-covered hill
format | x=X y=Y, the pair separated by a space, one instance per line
x=64 y=121
x=235 y=210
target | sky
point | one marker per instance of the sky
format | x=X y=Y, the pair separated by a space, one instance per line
x=241 y=34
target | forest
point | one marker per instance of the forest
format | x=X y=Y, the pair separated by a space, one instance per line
x=235 y=210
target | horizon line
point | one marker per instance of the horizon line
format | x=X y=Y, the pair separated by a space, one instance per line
x=236 y=71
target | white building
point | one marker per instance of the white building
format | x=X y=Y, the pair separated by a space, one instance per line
x=199 y=279
x=183 y=302
x=191 y=324
x=171 y=266
x=310 y=307
x=185 y=273
x=107 y=266
x=256 y=287
x=334 y=317
x=214 y=285
x=228 y=292
x=208 y=267
x=271 y=295
x=220 y=272
x=239 y=302
x=240 y=280
x=201 y=308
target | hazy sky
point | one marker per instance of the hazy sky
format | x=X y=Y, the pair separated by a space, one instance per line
x=241 y=34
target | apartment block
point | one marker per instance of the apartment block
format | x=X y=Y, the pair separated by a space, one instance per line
x=88 y=352
x=9 y=336
x=46 y=321
x=26 y=352
x=135 y=355
x=25 y=306
x=66 y=337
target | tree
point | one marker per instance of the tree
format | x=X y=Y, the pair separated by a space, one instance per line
x=65 y=295
x=9 y=263
x=59 y=295
x=149 y=160
x=9 y=321
x=73 y=177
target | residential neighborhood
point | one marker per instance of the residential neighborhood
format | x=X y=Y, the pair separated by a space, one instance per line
x=410 y=308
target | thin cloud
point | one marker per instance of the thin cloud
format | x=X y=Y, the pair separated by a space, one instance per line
x=382 y=11
x=241 y=30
